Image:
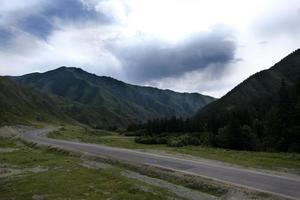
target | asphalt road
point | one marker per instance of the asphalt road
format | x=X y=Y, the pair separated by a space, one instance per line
x=279 y=185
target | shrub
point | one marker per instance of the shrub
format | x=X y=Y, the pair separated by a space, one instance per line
x=183 y=140
x=151 y=140
x=250 y=140
x=206 y=138
x=175 y=142
x=135 y=133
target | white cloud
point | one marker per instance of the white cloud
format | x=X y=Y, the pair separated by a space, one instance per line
x=88 y=43
x=65 y=47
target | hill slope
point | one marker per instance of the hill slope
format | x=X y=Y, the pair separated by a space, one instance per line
x=19 y=104
x=261 y=112
x=113 y=102
x=261 y=88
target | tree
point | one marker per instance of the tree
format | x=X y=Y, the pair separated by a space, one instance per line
x=258 y=128
x=231 y=135
x=284 y=104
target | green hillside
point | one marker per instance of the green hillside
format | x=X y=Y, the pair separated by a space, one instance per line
x=260 y=91
x=108 y=102
x=19 y=104
x=23 y=105
x=262 y=113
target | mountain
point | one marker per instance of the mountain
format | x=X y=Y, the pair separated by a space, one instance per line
x=259 y=89
x=22 y=105
x=263 y=112
x=105 y=102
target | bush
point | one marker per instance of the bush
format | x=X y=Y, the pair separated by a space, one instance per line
x=135 y=133
x=175 y=142
x=206 y=138
x=183 y=140
x=151 y=140
x=235 y=136
x=250 y=140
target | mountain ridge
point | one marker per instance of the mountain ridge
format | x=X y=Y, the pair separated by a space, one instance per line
x=126 y=103
x=276 y=73
x=265 y=106
x=111 y=78
x=262 y=113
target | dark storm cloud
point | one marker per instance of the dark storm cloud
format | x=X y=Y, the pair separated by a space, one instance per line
x=150 y=60
x=69 y=9
x=5 y=36
x=38 y=25
x=42 y=22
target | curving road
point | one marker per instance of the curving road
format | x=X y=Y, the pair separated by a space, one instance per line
x=278 y=185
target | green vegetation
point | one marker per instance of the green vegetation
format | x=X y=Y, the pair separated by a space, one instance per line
x=71 y=95
x=104 y=102
x=115 y=140
x=260 y=114
x=97 y=136
x=289 y=162
x=22 y=105
x=41 y=173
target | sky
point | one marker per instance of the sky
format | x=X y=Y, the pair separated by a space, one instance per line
x=205 y=46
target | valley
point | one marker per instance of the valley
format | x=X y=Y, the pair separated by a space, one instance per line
x=149 y=100
x=180 y=145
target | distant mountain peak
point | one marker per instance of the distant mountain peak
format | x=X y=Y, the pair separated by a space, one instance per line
x=65 y=68
x=114 y=101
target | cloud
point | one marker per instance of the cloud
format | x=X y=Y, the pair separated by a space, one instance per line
x=282 y=19
x=64 y=47
x=176 y=45
x=114 y=10
x=41 y=18
x=89 y=35
x=202 y=80
x=149 y=59
x=5 y=36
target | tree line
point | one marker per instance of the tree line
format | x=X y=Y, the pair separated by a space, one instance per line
x=276 y=128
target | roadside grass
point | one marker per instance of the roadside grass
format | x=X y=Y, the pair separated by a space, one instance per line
x=79 y=133
x=273 y=161
x=284 y=162
x=108 y=138
x=48 y=174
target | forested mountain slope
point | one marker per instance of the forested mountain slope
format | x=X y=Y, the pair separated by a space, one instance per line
x=112 y=102
x=261 y=112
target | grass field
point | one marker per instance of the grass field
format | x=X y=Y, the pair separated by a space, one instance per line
x=28 y=172
x=287 y=162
